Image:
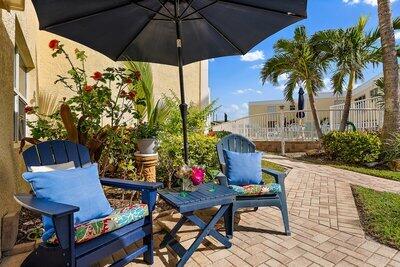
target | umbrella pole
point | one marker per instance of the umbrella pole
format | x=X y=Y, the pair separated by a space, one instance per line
x=183 y=106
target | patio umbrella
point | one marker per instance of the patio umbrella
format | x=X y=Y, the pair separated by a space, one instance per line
x=170 y=32
x=300 y=104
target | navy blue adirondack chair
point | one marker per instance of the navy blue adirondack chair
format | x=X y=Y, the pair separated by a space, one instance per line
x=238 y=143
x=67 y=253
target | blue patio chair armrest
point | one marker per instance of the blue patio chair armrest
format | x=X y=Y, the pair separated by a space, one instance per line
x=45 y=207
x=131 y=185
x=222 y=179
x=61 y=214
x=278 y=176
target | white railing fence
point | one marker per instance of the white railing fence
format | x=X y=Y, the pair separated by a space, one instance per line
x=291 y=126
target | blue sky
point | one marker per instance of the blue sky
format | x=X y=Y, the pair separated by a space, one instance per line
x=234 y=81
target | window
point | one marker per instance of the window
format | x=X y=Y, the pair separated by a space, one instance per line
x=292 y=107
x=20 y=93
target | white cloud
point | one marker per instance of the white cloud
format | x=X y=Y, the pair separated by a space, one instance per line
x=397 y=35
x=367 y=2
x=253 y=56
x=235 y=111
x=246 y=91
x=257 y=66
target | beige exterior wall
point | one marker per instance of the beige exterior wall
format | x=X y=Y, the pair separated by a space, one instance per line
x=165 y=78
x=322 y=102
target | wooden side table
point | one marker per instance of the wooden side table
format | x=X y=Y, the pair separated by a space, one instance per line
x=207 y=196
x=146 y=166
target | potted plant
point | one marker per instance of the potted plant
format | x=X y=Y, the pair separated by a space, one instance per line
x=146 y=135
x=191 y=177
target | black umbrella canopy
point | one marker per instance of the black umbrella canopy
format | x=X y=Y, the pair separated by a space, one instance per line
x=300 y=104
x=173 y=32
x=146 y=30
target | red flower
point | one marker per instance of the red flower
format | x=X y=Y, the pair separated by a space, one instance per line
x=54 y=44
x=29 y=110
x=128 y=80
x=123 y=94
x=137 y=75
x=88 y=88
x=97 y=76
x=131 y=95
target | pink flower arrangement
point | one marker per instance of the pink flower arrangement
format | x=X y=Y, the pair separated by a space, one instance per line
x=198 y=175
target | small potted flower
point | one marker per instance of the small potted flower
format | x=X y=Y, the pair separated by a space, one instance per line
x=146 y=135
x=191 y=177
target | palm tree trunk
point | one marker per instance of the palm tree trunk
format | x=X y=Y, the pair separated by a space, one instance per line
x=315 y=115
x=347 y=103
x=391 y=123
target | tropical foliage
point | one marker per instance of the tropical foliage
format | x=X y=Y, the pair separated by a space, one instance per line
x=351 y=51
x=98 y=114
x=352 y=147
x=304 y=66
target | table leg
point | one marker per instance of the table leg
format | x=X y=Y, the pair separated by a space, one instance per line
x=229 y=220
x=171 y=235
x=203 y=233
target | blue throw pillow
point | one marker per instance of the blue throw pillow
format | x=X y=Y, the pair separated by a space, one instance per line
x=78 y=187
x=243 y=168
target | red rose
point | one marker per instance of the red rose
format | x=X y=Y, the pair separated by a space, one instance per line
x=54 y=44
x=29 y=110
x=97 y=76
x=137 y=75
x=123 y=94
x=131 y=95
x=88 y=88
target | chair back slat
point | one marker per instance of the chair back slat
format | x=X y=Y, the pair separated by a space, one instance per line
x=72 y=152
x=60 y=153
x=235 y=143
x=45 y=153
x=56 y=152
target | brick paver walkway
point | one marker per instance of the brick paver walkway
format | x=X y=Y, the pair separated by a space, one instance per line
x=325 y=226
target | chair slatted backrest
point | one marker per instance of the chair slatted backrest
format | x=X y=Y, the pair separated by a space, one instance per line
x=235 y=143
x=56 y=152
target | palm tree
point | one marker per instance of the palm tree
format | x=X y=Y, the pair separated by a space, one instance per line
x=391 y=122
x=304 y=66
x=351 y=50
x=155 y=111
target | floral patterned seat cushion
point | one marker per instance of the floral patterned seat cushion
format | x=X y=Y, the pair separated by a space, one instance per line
x=117 y=219
x=256 y=189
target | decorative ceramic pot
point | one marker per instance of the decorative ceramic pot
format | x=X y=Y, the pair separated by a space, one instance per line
x=147 y=146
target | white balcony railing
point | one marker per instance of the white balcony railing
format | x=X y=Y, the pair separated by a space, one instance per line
x=288 y=125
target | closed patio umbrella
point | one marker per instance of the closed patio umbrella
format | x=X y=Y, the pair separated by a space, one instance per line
x=300 y=104
x=169 y=32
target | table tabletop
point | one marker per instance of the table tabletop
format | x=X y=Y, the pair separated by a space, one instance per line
x=206 y=196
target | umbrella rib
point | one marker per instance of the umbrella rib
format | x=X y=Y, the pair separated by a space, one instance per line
x=187 y=7
x=86 y=16
x=134 y=38
x=163 y=4
x=222 y=34
x=198 y=10
x=263 y=8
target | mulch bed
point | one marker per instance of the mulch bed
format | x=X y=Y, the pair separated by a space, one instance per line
x=30 y=225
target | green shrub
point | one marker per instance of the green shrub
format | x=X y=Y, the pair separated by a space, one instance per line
x=202 y=152
x=352 y=147
x=391 y=149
